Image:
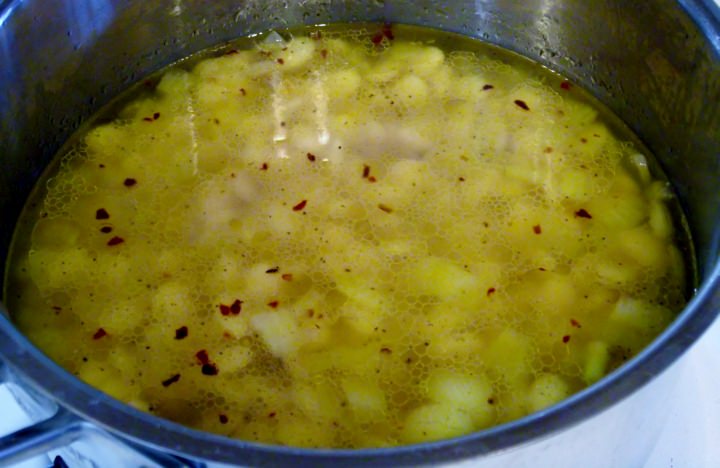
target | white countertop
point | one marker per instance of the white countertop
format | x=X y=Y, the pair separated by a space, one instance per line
x=692 y=434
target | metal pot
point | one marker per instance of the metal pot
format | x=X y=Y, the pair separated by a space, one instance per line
x=655 y=63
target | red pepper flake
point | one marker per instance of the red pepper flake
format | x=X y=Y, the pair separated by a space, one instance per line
x=233 y=309
x=490 y=291
x=280 y=61
x=575 y=323
x=311 y=157
x=273 y=304
x=377 y=38
x=372 y=179
x=272 y=414
x=231 y=52
x=387 y=31
x=115 y=241
x=385 y=208
x=310 y=313
x=99 y=334
x=171 y=380
x=228 y=335
x=287 y=276
x=566 y=85
x=366 y=171
x=548 y=149
x=243 y=92
x=181 y=333
x=386 y=350
x=272 y=270
x=210 y=369
x=461 y=179
x=154 y=117
x=324 y=53
x=300 y=206
x=582 y=213
x=542 y=269
x=488 y=87
x=102 y=214
x=264 y=167
x=223 y=419
x=202 y=357
x=566 y=338
x=106 y=229
x=583 y=140
x=537 y=229
x=129 y=182
x=521 y=104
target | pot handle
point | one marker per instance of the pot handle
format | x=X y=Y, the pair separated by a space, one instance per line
x=64 y=428
x=59 y=430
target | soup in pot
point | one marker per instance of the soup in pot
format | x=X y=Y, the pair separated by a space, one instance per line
x=349 y=236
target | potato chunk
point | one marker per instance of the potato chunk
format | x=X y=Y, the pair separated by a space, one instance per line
x=466 y=393
x=435 y=421
x=546 y=390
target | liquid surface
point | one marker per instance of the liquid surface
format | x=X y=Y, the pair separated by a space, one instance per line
x=355 y=237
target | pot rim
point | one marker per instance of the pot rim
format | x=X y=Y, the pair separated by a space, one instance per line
x=35 y=369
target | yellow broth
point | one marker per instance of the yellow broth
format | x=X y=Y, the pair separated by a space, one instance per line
x=354 y=236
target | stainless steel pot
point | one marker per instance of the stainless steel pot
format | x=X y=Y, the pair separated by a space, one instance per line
x=655 y=63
